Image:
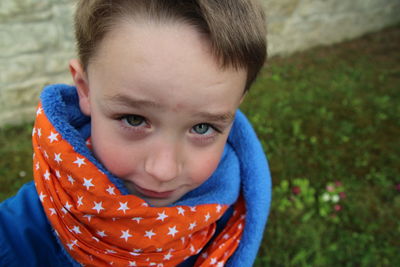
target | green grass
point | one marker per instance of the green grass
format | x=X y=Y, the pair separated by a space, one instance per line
x=15 y=158
x=332 y=114
x=326 y=115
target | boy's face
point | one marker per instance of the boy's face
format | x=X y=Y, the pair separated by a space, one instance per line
x=161 y=108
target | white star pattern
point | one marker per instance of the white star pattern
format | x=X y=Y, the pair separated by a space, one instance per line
x=101 y=233
x=76 y=229
x=79 y=161
x=72 y=244
x=39 y=111
x=213 y=261
x=42 y=196
x=219 y=207
x=68 y=206
x=149 y=234
x=193 y=209
x=79 y=202
x=98 y=206
x=64 y=210
x=192 y=226
x=207 y=217
x=137 y=219
x=58 y=174
x=125 y=235
x=87 y=183
x=168 y=256
x=52 y=211
x=110 y=190
x=53 y=137
x=37 y=166
x=39 y=132
x=57 y=158
x=123 y=206
x=161 y=216
x=47 y=175
x=172 y=231
x=220 y=264
x=88 y=217
x=70 y=179
x=132 y=263
x=181 y=210
x=135 y=252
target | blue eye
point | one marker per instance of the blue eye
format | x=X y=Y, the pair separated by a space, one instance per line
x=134 y=120
x=202 y=128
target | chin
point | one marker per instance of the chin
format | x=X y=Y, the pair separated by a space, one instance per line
x=161 y=202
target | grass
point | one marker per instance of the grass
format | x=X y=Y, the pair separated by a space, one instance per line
x=329 y=120
x=325 y=115
x=15 y=158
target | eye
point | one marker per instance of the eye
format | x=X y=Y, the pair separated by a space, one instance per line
x=202 y=128
x=134 y=120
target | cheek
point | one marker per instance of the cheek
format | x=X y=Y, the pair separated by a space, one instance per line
x=203 y=167
x=114 y=156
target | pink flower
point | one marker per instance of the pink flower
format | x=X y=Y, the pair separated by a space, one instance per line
x=342 y=195
x=338 y=183
x=398 y=187
x=337 y=207
x=296 y=190
x=330 y=188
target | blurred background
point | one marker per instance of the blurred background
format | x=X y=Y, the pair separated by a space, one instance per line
x=326 y=108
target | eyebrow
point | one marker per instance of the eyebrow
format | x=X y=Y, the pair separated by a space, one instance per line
x=120 y=99
x=223 y=117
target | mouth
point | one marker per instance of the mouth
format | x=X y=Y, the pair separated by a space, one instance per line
x=153 y=194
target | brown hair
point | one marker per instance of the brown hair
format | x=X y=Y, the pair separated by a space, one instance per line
x=236 y=28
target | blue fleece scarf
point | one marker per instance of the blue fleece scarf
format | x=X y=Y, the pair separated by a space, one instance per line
x=243 y=161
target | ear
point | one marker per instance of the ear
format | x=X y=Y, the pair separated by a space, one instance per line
x=82 y=85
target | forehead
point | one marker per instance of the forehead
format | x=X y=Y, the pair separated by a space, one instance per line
x=171 y=62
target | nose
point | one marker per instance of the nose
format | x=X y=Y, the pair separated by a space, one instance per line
x=163 y=163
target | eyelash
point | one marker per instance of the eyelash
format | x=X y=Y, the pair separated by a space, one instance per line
x=126 y=125
x=123 y=119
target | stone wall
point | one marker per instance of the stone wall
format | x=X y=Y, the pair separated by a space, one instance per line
x=36 y=39
x=36 y=42
x=295 y=25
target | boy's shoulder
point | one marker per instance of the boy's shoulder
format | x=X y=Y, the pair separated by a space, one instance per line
x=26 y=238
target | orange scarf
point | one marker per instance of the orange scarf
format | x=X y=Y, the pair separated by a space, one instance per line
x=99 y=226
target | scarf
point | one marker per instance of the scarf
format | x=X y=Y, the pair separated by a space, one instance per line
x=99 y=223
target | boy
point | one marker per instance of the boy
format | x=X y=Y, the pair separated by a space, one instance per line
x=146 y=161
